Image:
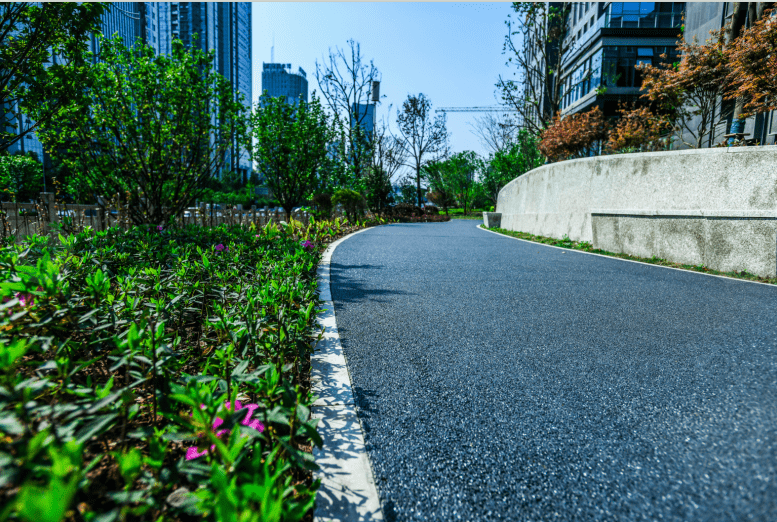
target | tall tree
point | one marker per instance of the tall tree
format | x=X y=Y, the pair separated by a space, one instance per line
x=291 y=147
x=36 y=43
x=496 y=131
x=346 y=83
x=535 y=44
x=421 y=136
x=387 y=158
x=144 y=125
x=462 y=170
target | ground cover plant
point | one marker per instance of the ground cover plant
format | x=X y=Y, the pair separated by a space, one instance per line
x=160 y=374
x=585 y=246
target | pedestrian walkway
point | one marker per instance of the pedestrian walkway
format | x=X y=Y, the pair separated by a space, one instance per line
x=497 y=379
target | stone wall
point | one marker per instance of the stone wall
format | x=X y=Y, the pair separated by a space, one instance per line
x=716 y=207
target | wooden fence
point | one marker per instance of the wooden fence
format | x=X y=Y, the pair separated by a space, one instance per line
x=24 y=219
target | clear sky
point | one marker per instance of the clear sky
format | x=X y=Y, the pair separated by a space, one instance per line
x=451 y=52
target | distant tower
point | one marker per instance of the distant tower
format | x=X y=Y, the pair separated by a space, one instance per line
x=278 y=80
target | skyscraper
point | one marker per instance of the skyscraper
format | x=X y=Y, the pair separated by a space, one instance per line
x=278 y=80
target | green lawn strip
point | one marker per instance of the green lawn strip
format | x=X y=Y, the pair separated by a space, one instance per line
x=119 y=353
x=587 y=247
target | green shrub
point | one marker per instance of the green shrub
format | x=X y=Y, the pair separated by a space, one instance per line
x=21 y=178
x=352 y=202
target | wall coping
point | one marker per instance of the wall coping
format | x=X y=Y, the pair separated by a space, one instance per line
x=755 y=214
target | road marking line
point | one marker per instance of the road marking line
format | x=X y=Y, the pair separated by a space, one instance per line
x=347 y=492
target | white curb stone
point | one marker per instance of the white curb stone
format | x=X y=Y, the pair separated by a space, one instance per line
x=347 y=491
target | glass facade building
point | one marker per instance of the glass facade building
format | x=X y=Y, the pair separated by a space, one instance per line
x=279 y=80
x=606 y=40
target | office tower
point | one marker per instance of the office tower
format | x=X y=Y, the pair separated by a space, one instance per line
x=279 y=80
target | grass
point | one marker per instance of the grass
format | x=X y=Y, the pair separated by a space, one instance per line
x=458 y=213
x=585 y=246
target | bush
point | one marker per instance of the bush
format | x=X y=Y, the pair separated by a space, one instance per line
x=573 y=136
x=141 y=342
x=431 y=210
x=406 y=210
x=21 y=178
x=323 y=204
x=352 y=202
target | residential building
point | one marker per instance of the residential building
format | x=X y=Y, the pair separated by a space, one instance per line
x=606 y=40
x=279 y=80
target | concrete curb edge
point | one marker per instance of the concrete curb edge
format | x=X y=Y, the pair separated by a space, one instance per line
x=627 y=260
x=348 y=492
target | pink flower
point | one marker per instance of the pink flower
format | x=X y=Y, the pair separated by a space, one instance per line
x=221 y=248
x=193 y=452
x=159 y=228
x=307 y=245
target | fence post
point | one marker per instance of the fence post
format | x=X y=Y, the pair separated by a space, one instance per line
x=253 y=214
x=49 y=202
x=203 y=206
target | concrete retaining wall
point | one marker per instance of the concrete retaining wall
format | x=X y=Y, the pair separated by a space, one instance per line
x=716 y=207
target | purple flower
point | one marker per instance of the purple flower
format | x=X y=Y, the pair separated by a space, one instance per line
x=221 y=248
x=307 y=245
x=159 y=228
x=193 y=452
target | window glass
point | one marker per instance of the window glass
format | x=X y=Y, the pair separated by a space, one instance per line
x=645 y=51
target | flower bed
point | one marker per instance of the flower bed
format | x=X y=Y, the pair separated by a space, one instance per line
x=157 y=374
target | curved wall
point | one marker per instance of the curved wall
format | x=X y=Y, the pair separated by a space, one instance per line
x=716 y=207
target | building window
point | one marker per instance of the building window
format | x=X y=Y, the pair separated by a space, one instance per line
x=619 y=62
x=644 y=14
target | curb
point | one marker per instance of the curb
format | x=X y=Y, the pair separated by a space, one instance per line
x=347 y=492
x=627 y=260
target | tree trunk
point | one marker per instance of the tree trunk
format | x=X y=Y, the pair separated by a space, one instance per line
x=288 y=210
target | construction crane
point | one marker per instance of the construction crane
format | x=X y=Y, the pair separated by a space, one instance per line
x=496 y=108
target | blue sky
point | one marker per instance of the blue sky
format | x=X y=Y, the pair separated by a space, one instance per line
x=451 y=52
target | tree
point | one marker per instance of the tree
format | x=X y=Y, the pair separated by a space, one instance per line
x=496 y=131
x=638 y=129
x=21 y=177
x=346 y=84
x=441 y=193
x=420 y=136
x=744 y=13
x=388 y=156
x=144 y=125
x=574 y=136
x=291 y=146
x=30 y=37
x=462 y=170
x=753 y=67
x=505 y=166
x=535 y=48
x=407 y=191
x=687 y=92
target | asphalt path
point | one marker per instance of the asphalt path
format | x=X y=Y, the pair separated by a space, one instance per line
x=498 y=379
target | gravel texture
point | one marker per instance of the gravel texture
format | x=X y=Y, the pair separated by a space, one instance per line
x=497 y=379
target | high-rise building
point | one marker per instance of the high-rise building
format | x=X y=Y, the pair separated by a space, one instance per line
x=605 y=41
x=364 y=116
x=279 y=80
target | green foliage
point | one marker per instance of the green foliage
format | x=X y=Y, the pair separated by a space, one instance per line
x=29 y=34
x=291 y=147
x=507 y=165
x=456 y=177
x=352 y=202
x=112 y=343
x=140 y=126
x=407 y=191
x=21 y=178
x=380 y=193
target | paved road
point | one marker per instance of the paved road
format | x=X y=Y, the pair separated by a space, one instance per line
x=503 y=380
